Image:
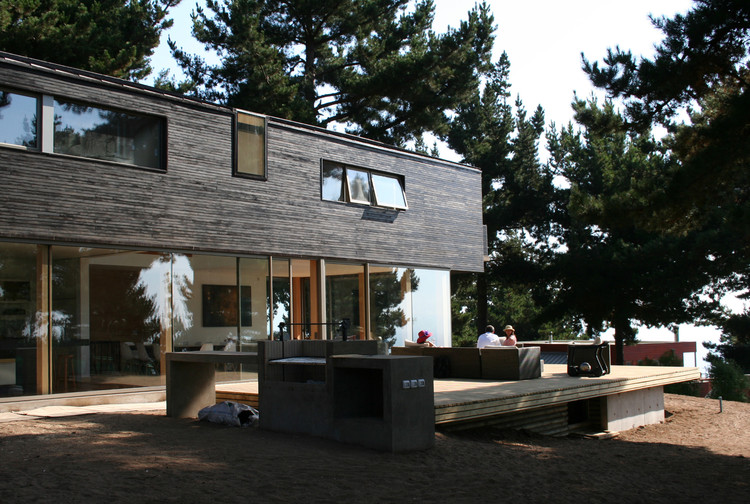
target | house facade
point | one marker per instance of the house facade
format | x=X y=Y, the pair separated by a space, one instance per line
x=135 y=222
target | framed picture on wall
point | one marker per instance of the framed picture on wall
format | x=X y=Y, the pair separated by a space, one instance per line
x=220 y=306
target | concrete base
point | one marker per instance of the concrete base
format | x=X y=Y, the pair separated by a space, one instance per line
x=633 y=409
x=383 y=402
x=191 y=379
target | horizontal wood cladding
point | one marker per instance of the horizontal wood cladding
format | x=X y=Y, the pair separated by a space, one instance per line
x=197 y=205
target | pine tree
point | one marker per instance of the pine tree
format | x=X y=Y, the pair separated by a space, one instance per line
x=371 y=65
x=498 y=138
x=613 y=272
x=698 y=87
x=112 y=37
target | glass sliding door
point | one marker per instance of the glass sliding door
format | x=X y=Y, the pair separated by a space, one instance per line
x=404 y=301
x=390 y=303
x=306 y=319
x=345 y=300
x=110 y=318
x=281 y=304
x=24 y=348
x=253 y=302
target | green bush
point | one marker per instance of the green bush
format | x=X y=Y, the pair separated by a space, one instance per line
x=727 y=379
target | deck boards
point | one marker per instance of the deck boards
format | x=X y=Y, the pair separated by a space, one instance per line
x=471 y=400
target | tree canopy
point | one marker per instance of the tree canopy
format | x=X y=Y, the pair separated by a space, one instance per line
x=375 y=66
x=112 y=37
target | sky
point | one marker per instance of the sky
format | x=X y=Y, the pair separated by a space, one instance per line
x=544 y=40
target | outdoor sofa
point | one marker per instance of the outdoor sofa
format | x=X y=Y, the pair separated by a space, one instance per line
x=489 y=363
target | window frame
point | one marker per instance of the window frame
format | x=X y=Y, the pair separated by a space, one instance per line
x=39 y=119
x=49 y=131
x=236 y=149
x=346 y=196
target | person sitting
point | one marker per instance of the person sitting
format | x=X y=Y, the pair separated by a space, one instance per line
x=510 y=336
x=489 y=338
x=422 y=338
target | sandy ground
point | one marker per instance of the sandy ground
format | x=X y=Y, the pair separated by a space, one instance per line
x=698 y=454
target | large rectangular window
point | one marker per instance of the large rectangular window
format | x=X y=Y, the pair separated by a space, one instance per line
x=110 y=135
x=18 y=119
x=250 y=145
x=340 y=182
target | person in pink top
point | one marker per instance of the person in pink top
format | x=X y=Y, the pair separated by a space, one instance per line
x=510 y=336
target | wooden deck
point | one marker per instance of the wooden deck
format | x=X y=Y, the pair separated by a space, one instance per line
x=541 y=402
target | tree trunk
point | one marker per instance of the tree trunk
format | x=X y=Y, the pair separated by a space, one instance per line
x=623 y=333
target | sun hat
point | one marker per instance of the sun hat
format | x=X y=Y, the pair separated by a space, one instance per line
x=423 y=335
x=509 y=328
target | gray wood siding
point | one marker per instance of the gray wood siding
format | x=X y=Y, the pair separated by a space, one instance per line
x=197 y=205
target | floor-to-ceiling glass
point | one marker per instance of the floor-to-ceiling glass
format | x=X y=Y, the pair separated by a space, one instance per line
x=281 y=304
x=110 y=315
x=404 y=301
x=306 y=323
x=390 y=303
x=253 y=302
x=24 y=351
x=345 y=300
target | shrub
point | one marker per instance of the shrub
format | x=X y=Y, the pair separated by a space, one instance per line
x=727 y=379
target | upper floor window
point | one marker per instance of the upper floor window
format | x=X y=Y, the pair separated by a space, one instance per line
x=341 y=182
x=110 y=135
x=18 y=119
x=250 y=145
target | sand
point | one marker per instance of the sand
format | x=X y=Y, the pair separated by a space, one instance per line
x=697 y=454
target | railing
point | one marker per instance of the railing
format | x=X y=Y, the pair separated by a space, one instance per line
x=343 y=325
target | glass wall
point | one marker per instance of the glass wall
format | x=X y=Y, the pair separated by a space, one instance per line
x=110 y=318
x=282 y=300
x=404 y=301
x=76 y=319
x=345 y=303
x=24 y=358
x=390 y=303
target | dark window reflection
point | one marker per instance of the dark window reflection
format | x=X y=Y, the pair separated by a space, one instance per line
x=18 y=119
x=82 y=130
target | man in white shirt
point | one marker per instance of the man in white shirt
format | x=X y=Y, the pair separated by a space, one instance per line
x=488 y=338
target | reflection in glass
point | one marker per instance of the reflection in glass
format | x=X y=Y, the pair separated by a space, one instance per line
x=405 y=301
x=254 y=301
x=110 y=318
x=281 y=299
x=99 y=133
x=345 y=290
x=251 y=144
x=20 y=331
x=305 y=304
x=18 y=119
x=333 y=177
x=359 y=185
x=388 y=191
x=431 y=305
